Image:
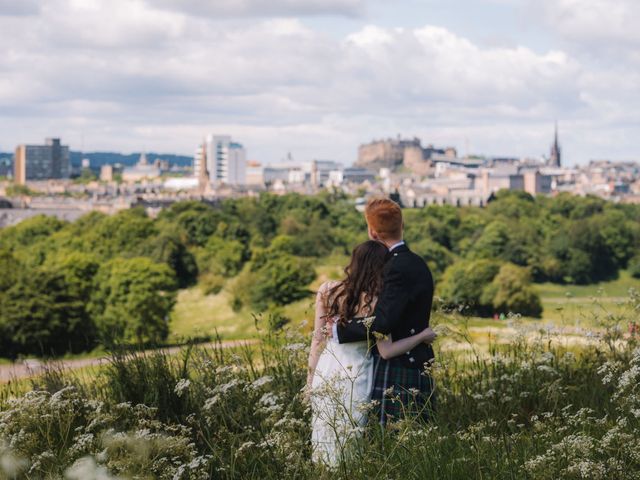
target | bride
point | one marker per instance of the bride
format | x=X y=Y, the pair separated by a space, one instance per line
x=340 y=379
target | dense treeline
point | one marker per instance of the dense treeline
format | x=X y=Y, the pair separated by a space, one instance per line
x=68 y=286
x=485 y=258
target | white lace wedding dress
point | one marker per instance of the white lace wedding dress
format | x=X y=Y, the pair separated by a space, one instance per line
x=340 y=392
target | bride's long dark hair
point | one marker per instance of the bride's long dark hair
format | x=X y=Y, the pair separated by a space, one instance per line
x=362 y=282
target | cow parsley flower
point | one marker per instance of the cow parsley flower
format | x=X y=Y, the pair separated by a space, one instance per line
x=181 y=387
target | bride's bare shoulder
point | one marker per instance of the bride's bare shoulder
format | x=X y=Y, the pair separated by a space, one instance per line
x=327 y=286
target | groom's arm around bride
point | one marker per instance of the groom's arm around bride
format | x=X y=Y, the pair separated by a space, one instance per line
x=404 y=305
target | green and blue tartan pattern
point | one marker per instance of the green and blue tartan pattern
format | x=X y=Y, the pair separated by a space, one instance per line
x=398 y=391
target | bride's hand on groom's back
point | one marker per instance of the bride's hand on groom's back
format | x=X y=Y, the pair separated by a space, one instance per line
x=428 y=335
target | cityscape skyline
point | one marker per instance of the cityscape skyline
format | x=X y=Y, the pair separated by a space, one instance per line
x=319 y=78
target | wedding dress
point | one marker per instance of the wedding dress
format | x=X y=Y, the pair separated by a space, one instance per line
x=340 y=393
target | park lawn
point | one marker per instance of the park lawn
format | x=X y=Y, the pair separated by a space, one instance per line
x=618 y=288
x=198 y=315
x=86 y=376
x=587 y=305
x=587 y=313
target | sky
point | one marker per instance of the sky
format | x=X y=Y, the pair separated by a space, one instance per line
x=319 y=77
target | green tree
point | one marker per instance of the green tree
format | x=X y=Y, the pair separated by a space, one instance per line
x=619 y=235
x=29 y=232
x=132 y=300
x=471 y=226
x=121 y=234
x=576 y=207
x=11 y=268
x=493 y=242
x=511 y=291
x=463 y=283
x=586 y=236
x=312 y=238
x=86 y=176
x=436 y=222
x=221 y=257
x=78 y=270
x=168 y=248
x=197 y=220
x=438 y=258
x=513 y=204
x=41 y=315
x=279 y=280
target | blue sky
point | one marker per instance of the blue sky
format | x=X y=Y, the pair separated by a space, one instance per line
x=484 y=22
x=318 y=77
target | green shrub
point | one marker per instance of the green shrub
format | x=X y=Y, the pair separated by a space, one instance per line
x=132 y=300
x=273 y=280
x=463 y=284
x=221 y=257
x=511 y=292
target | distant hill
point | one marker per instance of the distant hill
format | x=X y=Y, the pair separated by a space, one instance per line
x=98 y=159
x=101 y=158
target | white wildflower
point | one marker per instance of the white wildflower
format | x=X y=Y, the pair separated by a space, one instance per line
x=245 y=446
x=269 y=399
x=546 y=369
x=295 y=347
x=182 y=386
x=12 y=465
x=86 y=468
x=260 y=382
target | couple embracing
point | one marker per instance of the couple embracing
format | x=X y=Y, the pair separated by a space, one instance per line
x=371 y=340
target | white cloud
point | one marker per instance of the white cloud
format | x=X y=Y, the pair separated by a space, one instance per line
x=262 y=8
x=95 y=24
x=127 y=76
x=594 y=23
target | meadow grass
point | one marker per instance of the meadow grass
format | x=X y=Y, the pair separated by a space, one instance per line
x=198 y=315
x=526 y=408
x=572 y=305
x=618 y=288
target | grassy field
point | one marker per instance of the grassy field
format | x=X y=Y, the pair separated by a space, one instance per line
x=587 y=305
x=199 y=315
x=567 y=305
x=526 y=410
x=613 y=289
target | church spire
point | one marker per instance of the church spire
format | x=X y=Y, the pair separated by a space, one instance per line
x=555 y=157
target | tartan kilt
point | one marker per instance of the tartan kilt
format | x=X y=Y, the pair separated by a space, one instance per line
x=400 y=391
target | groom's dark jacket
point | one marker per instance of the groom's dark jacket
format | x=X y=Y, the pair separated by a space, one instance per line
x=403 y=307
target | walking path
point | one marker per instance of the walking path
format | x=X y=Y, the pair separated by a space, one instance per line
x=33 y=367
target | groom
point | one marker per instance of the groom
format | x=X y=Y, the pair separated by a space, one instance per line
x=400 y=384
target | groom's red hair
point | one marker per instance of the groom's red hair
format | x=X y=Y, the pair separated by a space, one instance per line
x=384 y=216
